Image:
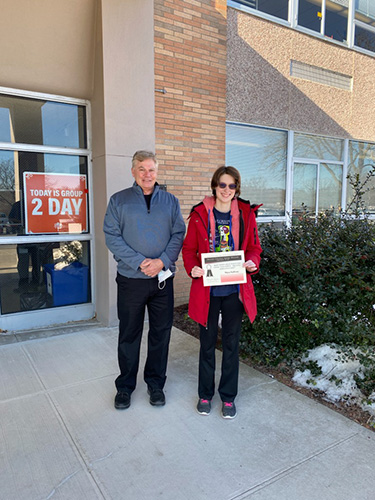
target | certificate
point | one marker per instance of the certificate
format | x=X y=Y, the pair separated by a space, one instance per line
x=223 y=268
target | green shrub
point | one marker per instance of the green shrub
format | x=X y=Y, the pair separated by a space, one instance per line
x=316 y=285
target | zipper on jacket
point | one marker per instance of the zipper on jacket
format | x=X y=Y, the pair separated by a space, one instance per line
x=147 y=206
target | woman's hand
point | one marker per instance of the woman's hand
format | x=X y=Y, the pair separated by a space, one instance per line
x=197 y=272
x=250 y=266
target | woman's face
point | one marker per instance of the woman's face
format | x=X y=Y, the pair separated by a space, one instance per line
x=226 y=194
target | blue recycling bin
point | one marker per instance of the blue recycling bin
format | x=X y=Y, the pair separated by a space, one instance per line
x=68 y=285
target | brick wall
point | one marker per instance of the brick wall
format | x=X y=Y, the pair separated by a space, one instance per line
x=190 y=67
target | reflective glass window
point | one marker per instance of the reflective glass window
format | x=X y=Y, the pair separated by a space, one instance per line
x=336 y=20
x=318 y=147
x=35 y=121
x=260 y=156
x=365 y=11
x=365 y=39
x=43 y=275
x=316 y=187
x=304 y=188
x=361 y=162
x=330 y=186
x=5 y=128
x=13 y=165
x=310 y=14
x=277 y=8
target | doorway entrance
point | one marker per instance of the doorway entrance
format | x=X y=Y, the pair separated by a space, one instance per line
x=46 y=245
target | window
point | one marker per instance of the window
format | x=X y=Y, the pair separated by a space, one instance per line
x=364 y=35
x=310 y=14
x=44 y=195
x=361 y=162
x=316 y=187
x=318 y=147
x=260 y=156
x=336 y=20
x=13 y=165
x=328 y=18
x=364 y=38
x=34 y=121
x=317 y=173
x=29 y=282
x=314 y=178
x=277 y=8
x=365 y=8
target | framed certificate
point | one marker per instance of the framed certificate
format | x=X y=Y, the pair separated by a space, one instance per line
x=223 y=268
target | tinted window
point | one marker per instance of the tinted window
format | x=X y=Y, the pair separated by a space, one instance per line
x=13 y=164
x=260 y=156
x=336 y=21
x=277 y=8
x=364 y=39
x=361 y=162
x=318 y=147
x=310 y=14
x=34 y=121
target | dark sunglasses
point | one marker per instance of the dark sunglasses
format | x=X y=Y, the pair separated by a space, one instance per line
x=222 y=185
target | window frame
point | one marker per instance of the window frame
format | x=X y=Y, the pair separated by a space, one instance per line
x=293 y=23
x=78 y=311
x=291 y=160
x=276 y=218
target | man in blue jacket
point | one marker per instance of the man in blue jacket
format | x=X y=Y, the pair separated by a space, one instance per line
x=144 y=230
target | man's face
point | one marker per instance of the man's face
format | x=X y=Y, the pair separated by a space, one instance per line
x=144 y=174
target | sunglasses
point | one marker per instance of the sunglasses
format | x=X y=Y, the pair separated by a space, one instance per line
x=222 y=185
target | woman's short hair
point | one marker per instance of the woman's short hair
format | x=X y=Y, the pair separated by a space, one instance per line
x=143 y=155
x=233 y=172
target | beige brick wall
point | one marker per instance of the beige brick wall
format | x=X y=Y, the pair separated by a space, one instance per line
x=190 y=65
x=261 y=90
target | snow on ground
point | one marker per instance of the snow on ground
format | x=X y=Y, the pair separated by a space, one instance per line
x=337 y=377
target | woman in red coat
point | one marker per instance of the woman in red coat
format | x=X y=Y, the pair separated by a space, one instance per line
x=222 y=222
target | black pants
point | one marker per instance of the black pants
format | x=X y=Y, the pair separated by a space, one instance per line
x=133 y=296
x=232 y=311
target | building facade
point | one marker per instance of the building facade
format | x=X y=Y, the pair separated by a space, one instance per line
x=283 y=90
x=300 y=101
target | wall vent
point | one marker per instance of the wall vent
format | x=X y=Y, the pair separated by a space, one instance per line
x=320 y=75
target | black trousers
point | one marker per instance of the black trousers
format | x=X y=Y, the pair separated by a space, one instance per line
x=232 y=311
x=133 y=296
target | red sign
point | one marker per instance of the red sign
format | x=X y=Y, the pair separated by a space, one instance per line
x=55 y=203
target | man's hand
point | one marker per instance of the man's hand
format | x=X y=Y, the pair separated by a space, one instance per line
x=151 y=267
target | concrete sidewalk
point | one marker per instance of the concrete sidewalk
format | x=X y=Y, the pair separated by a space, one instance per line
x=61 y=438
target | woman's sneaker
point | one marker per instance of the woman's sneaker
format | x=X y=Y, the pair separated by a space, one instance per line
x=228 y=410
x=204 y=406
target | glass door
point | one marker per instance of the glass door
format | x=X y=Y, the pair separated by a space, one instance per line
x=45 y=237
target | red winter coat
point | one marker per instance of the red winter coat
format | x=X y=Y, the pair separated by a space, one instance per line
x=197 y=241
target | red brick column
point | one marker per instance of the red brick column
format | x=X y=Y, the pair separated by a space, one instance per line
x=190 y=101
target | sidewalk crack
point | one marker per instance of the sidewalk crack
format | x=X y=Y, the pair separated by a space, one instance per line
x=61 y=484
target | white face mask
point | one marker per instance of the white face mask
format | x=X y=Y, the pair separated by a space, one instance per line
x=162 y=277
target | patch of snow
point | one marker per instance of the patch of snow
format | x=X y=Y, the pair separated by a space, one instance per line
x=337 y=377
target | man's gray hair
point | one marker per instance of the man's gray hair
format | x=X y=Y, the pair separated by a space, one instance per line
x=143 y=155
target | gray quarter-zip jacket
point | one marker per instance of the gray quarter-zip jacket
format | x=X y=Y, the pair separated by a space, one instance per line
x=133 y=233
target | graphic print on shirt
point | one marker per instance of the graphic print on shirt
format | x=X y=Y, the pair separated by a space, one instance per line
x=224 y=233
x=223 y=237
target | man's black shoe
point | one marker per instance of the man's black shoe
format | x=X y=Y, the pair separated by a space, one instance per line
x=122 y=400
x=157 y=397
